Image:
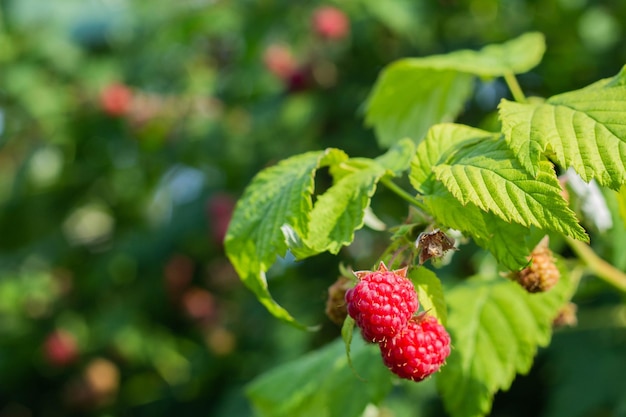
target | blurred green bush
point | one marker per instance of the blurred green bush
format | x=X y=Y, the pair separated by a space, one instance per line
x=129 y=128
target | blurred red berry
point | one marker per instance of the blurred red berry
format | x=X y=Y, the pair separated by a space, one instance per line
x=220 y=209
x=116 y=99
x=178 y=273
x=330 y=23
x=199 y=304
x=279 y=61
x=60 y=348
x=300 y=80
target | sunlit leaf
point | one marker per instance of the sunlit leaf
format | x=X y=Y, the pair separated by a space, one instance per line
x=340 y=210
x=429 y=293
x=412 y=94
x=498 y=212
x=582 y=129
x=488 y=175
x=496 y=329
x=277 y=196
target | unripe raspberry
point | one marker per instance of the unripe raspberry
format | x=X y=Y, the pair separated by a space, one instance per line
x=382 y=302
x=542 y=273
x=419 y=350
x=566 y=317
x=336 y=308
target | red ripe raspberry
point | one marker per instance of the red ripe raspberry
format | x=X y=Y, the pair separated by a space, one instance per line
x=279 y=60
x=60 y=348
x=330 y=23
x=382 y=302
x=417 y=351
x=116 y=99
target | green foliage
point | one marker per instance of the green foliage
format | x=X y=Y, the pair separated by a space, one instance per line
x=599 y=356
x=277 y=213
x=496 y=187
x=430 y=293
x=113 y=219
x=462 y=173
x=413 y=94
x=496 y=328
x=323 y=383
x=278 y=196
x=487 y=174
x=583 y=129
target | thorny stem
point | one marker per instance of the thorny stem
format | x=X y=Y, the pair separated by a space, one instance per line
x=516 y=90
x=598 y=266
x=402 y=194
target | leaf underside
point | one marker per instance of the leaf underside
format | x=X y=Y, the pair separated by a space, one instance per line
x=279 y=195
x=412 y=94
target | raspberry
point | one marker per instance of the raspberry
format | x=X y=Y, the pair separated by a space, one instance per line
x=336 y=309
x=382 y=302
x=566 y=316
x=542 y=274
x=330 y=23
x=417 y=351
x=61 y=348
x=279 y=60
x=116 y=99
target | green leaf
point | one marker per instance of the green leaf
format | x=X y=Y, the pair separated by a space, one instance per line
x=321 y=384
x=408 y=98
x=429 y=293
x=583 y=129
x=347 y=332
x=277 y=196
x=516 y=56
x=414 y=93
x=442 y=140
x=496 y=328
x=509 y=242
x=340 y=210
x=488 y=175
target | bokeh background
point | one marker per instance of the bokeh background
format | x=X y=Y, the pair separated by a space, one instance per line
x=128 y=129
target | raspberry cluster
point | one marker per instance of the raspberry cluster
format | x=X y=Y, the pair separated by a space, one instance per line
x=383 y=304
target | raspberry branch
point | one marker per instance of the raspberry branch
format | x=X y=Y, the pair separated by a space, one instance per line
x=601 y=268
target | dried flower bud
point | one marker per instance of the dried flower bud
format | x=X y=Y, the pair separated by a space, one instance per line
x=433 y=245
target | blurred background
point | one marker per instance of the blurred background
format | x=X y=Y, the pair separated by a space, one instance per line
x=129 y=128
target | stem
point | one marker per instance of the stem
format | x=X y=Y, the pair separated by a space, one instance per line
x=516 y=90
x=402 y=194
x=601 y=268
